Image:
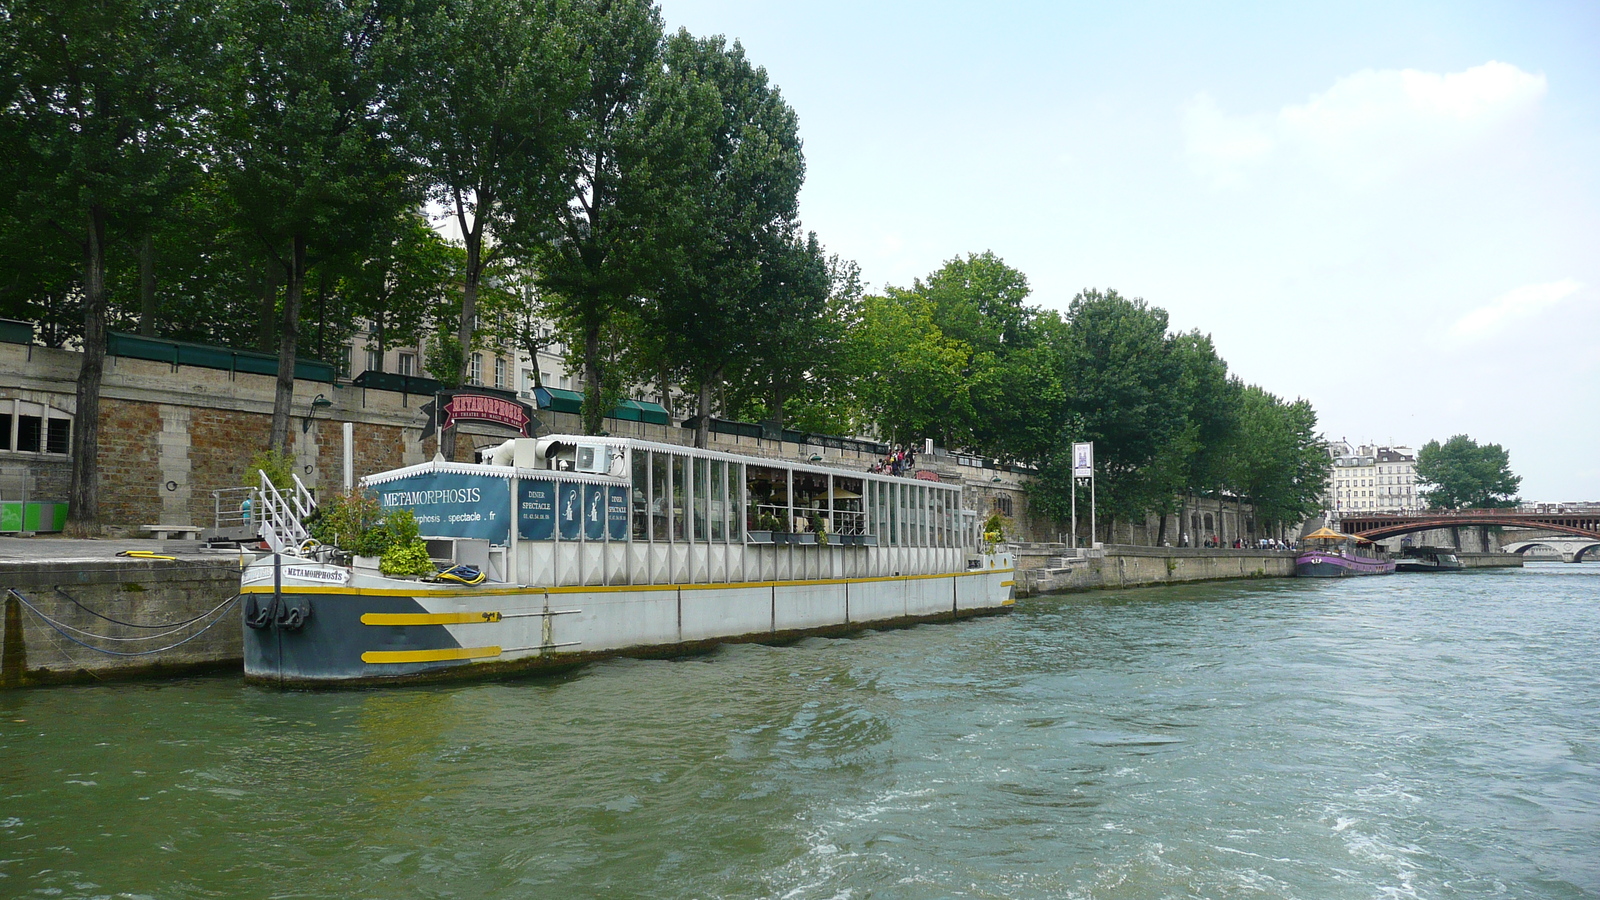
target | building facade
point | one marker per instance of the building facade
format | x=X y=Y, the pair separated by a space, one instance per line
x=1372 y=478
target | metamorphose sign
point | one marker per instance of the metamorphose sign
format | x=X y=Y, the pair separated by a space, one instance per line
x=450 y=505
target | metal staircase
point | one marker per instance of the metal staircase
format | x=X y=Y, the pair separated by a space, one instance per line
x=282 y=515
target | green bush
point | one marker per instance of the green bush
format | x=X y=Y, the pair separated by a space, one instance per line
x=407 y=559
x=278 y=466
x=819 y=525
x=353 y=522
x=356 y=523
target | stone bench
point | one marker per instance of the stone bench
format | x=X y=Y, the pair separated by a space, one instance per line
x=169 y=532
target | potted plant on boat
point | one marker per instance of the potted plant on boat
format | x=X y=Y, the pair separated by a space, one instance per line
x=762 y=529
x=358 y=526
x=819 y=527
x=804 y=536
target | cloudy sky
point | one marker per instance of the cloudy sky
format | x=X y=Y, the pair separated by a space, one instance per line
x=1391 y=209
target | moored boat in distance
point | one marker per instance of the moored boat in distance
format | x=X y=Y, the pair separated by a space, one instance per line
x=1326 y=553
x=1428 y=559
x=600 y=546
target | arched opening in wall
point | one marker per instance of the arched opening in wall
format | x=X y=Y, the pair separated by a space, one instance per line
x=1210 y=523
x=29 y=427
x=1250 y=525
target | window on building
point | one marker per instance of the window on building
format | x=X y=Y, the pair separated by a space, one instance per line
x=475 y=369
x=566 y=382
x=1002 y=505
x=375 y=360
x=408 y=364
x=32 y=428
x=499 y=372
x=545 y=378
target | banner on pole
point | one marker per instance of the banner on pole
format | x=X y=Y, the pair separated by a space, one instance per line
x=1083 y=460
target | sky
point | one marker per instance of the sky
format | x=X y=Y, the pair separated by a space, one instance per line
x=1390 y=209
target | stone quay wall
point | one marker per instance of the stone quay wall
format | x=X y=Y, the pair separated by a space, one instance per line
x=171 y=435
x=136 y=609
x=1050 y=568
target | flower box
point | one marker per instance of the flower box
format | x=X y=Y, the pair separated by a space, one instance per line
x=757 y=537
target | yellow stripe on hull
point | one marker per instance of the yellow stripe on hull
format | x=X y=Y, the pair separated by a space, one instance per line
x=455 y=618
x=600 y=589
x=421 y=656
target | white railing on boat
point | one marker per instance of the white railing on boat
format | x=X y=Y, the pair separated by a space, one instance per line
x=283 y=517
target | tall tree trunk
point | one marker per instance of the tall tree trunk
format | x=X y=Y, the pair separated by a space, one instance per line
x=322 y=313
x=775 y=413
x=288 y=346
x=147 y=284
x=382 y=347
x=594 y=411
x=269 y=304
x=469 y=293
x=702 y=428
x=666 y=392
x=83 y=493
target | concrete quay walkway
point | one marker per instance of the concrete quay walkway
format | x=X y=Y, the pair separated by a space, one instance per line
x=54 y=548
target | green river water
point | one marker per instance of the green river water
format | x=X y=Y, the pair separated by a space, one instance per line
x=1426 y=736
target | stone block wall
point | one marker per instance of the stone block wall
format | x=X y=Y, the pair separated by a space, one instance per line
x=169 y=436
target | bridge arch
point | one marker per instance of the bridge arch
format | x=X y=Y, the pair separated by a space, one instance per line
x=1570 y=549
x=1396 y=526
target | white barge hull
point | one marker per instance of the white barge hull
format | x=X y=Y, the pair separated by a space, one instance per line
x=320 y=624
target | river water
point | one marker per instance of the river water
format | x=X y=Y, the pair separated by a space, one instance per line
x=1409 y=736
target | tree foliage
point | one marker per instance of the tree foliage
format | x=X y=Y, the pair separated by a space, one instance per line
x=254 y=174
x=1462 y=474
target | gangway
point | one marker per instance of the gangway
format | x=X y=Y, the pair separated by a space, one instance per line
x=282 y=514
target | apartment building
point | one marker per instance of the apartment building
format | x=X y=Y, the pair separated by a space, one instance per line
x=505 y=368
x=1372 y=478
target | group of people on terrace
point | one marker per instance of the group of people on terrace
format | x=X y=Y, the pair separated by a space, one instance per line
x=900 y=462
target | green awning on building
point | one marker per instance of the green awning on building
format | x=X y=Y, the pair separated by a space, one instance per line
x=562 y=400
x=184 y=353
x=646 y=411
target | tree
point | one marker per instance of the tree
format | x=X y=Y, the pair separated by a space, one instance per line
x=909 y=377
x=1276 y=459
x=795 y=331
x=307 y=142
x=1121 y=369
x=486 y=90
x=101 y=113
x=602 y=240
x=401 y=281
x=1461 y=474
x=741 y=216
x=979 y=300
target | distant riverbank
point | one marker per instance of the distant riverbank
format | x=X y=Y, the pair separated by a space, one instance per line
x=1054 y=568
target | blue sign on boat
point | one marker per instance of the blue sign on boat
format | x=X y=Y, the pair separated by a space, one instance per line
x=451 y=505
x=617 y=513
x=536 y=510
x=570 y=517
x=594 y=512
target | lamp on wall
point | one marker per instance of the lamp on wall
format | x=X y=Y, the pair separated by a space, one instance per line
x=317 y=402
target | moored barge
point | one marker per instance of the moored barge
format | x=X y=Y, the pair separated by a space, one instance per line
x=1326 y=553
x=599 y=546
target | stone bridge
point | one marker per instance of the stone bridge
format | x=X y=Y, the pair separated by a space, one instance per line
x=1572 y=549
